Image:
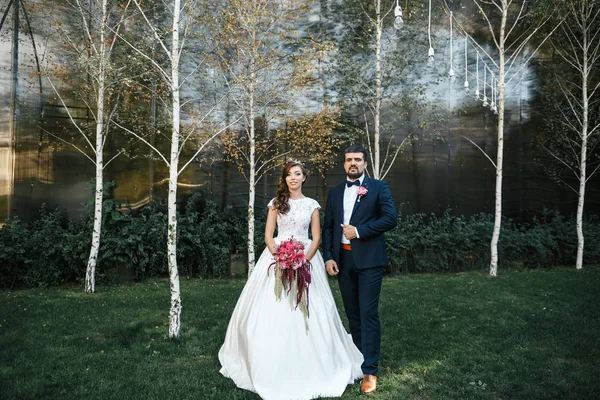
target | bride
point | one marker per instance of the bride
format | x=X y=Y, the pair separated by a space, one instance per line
x=271 y=347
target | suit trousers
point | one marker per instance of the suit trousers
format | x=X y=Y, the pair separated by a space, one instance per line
x=360 y=289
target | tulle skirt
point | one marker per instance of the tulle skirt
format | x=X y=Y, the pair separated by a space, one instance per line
x=268 y=349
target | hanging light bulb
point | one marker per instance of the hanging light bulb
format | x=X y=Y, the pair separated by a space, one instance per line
x=451 y=72
x=398 y=21
x=485 y=99
x=466 y=68
x=477 y=77
x=431 y=53
x=493 y=107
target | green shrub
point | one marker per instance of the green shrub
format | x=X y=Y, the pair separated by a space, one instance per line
x=430 y=243
x=36 y=254
x=207 y=238
x=13 y=253
x=52 y=249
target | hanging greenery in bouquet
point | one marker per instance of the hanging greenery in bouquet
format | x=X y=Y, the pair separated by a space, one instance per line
x=292 y=274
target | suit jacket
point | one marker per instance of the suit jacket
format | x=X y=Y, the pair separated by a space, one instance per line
x=373 y=215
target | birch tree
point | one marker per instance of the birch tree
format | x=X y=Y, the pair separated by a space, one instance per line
x=100 y=22
x=265 y=59
x=509 y=37
x=165 y=54
x=375 y=74
x=572 y=109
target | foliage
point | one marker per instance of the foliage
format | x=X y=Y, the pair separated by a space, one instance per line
x=376 y=75
x=207 y=237
x=39 y=253
x=236 y=145
x=569 y=79
x=267 y=55
x=264 y=54
x=77 y=66
x=430 y=243
x=53 y=250
x=313 y=139
x=268 y=64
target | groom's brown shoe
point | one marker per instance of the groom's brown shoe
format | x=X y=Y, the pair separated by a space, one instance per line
x=368 y=384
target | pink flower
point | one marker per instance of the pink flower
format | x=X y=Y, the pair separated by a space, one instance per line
x=290 y=254
x=292 y=268
x=362 y=191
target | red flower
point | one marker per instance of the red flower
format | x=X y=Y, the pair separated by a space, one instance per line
x=292 y=273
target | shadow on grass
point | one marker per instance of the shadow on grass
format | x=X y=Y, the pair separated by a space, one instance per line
x=523 y=335
x=129 y=335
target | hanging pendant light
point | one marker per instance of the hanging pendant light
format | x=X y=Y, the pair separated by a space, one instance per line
x=466 y=85
x=431 y=53
x=485 y=99
x=477 y=77
x=494 y=95
x=451 y=72
x=398 y=21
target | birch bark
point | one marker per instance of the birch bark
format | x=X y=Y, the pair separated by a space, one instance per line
x=175 y=310
x=251 y=175
x=377 y=111
x=504 y=65
x=500 y=154
x=94 y=50
x=182 y=11
x=579 y=50
x=265 y=60
x=90 y=275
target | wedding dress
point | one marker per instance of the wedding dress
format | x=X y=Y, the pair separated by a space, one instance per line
x=268 y=349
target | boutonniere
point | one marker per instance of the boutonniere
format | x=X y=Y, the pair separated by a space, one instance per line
x=362 y=192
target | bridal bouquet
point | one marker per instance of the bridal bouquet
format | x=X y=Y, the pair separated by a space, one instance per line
x=292 y=273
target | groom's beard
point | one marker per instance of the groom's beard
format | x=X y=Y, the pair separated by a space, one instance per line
x=354 y=175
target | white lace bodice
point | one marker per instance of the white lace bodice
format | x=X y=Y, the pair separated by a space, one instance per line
x=297 y=221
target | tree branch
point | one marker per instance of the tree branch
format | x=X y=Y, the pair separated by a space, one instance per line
x=71 y=116
x=69 y=143
x=143 y=140
x=480 y=149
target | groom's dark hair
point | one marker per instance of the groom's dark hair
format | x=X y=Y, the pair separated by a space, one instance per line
x=356 y=149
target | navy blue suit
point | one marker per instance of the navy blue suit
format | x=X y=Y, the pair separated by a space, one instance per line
x=361 y=269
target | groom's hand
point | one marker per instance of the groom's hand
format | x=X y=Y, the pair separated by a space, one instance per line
x=349 y=231
x=331 y=267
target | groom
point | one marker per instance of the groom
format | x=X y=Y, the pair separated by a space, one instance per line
x=357 y=214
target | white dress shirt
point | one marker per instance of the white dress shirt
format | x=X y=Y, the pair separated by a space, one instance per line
x=350 y=194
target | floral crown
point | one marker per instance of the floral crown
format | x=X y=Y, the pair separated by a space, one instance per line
x=295 y=162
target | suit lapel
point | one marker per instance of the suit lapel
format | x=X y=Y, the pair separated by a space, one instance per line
x=340 y=196
x=356 y=202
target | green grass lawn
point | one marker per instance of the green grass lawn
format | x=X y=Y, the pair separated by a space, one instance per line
x=523 y=335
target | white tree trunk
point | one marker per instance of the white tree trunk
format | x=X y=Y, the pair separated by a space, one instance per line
x=175 y=311
x=581 y=198
x=584 y=142
x=500 y=155
x=251 y=182
x=377 y=114
x=90 y=275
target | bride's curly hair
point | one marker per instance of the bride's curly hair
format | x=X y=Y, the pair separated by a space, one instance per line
x=282 y=196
